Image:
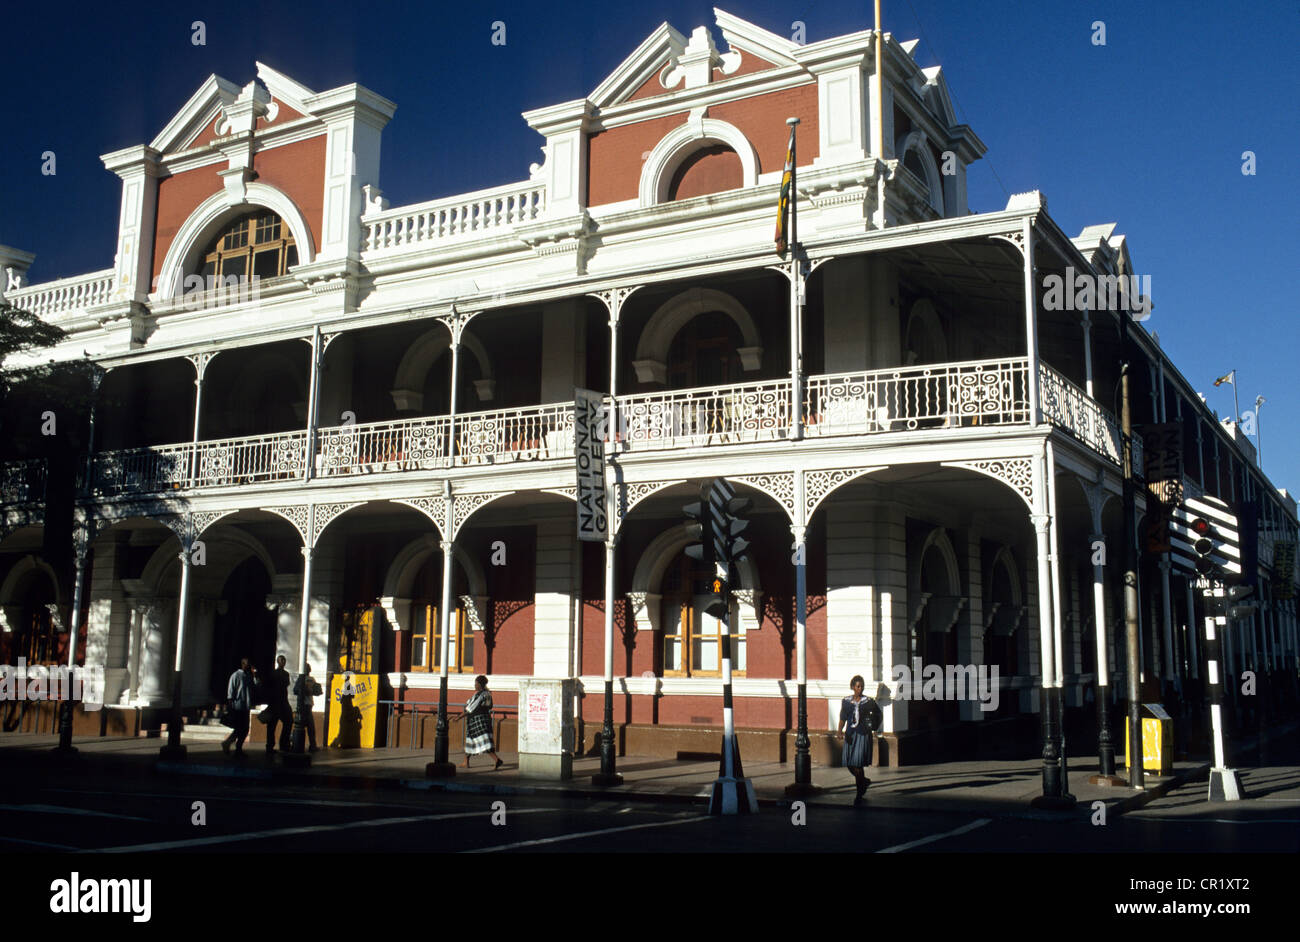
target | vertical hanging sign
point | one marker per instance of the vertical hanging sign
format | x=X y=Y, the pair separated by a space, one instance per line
x=589 y=420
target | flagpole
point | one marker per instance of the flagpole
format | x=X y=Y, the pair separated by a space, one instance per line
x=796 y=400
x=1236 y=408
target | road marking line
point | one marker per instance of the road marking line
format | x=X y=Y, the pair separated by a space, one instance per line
x=308 y=829
x=19 y=840
x=57 y=809
x=1170 y=819
x=241 y=799
x=934 y=837
x=582 y=834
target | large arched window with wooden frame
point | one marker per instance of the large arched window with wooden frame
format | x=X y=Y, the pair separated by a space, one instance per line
x=255 y=244
x=692 y=639
x=426 y=640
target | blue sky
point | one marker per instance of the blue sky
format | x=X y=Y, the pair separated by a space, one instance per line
x=1146 y=131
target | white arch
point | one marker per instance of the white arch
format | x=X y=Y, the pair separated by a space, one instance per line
x=917 y=141
x=408 y=382
x=679 y=143
x=19 y=575
x=651 y=361
x=924 y=316
x=167 y=554
x=1006 y=560
x=654 y=562
x=410 y=558
x=206 y=221
x=938 y=540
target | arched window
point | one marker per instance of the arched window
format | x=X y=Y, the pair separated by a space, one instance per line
x=256 y=244
x=692 y=639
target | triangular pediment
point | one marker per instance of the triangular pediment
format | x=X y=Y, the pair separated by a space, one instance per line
x=657 y=51
x=656 y=67
x=199 y=118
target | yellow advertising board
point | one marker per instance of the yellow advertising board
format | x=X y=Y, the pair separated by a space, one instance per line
x=1157 y=740
x=354 y=703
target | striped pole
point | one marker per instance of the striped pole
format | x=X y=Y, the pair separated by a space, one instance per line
x=1224 y=783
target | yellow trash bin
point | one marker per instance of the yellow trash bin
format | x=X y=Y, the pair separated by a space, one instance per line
x=1157 y=740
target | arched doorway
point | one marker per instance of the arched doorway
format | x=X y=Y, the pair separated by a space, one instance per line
x=705 y=352
x=243 y=626
x=1002 y=639
x=932 y=635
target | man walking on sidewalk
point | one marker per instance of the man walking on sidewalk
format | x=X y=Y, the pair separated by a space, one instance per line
x=305 y=688
x=239 y=703
x=277 y=699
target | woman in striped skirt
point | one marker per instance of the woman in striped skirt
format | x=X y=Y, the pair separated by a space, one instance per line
x=478 y=723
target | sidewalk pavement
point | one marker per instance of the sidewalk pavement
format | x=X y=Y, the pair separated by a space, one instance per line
x=976 y=787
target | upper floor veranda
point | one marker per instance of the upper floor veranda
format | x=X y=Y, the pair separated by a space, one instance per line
x=637 y=260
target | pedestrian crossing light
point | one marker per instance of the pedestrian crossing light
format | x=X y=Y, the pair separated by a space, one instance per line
x=1203 y=546
x=717 y=601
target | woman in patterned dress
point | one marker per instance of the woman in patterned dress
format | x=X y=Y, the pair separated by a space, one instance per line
x=862 y=715
x=478 y=723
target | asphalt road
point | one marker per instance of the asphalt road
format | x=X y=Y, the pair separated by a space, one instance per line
x=157 y=814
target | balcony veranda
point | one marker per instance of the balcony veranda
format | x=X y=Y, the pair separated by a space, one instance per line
x=934 y=397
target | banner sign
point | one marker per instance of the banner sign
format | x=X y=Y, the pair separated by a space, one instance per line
x=1162 y=456
x=589 y=422
x=1283 y=570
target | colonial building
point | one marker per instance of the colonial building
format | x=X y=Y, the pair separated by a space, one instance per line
x=369 y=445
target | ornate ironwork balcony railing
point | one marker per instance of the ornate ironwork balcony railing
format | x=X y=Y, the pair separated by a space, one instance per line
x=1068 y=406
x=940 y=395
x=932 y=397
x=709 y=415
x=464 y=214
x=531 y=433
x=23 y=482
x=65 y=295
x=377 y=447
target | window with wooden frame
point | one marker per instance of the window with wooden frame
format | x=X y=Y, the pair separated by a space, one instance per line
x=256 y=244
x=426 y=640
x=692 y=639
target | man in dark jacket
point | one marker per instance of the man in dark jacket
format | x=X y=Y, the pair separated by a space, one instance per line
x=277 y=698
x=239 y=703
x=305 y=688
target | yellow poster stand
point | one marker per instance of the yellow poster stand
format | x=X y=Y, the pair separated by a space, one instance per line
x=1157 y=740
x=354 y=705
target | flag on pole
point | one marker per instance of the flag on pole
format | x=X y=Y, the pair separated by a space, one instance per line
x=1229 y=377
x=787 y=191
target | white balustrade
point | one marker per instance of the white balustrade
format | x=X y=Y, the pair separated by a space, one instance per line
x=143 y=470
x=940 y=395
x=531 y=433
x=461 y=215
x=1068 y=406
x=378 y=447
x=740 y=412
x=251 y=459
x=65 y=295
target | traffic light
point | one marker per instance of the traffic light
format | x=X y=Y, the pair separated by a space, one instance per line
x=1203 y=546
x=730 y=545
x=699 y=531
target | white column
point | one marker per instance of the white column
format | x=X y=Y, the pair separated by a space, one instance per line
x=139 y=169
x=1031 y=321
x=1099 y=615
x=313 y=404
x=1087 y=353
x=1055 y=569
x=304 y=614
x=444 y=608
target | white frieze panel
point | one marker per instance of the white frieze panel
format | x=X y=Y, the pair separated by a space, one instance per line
x=206 y=518
x=1016 y=473
x=778 y=485
x=464 y=505
x=629 y=495
x=1015 y=237
x=297 y=515
x=327 y=512
x=818 y=485
x=569 y=492
x=435 y=508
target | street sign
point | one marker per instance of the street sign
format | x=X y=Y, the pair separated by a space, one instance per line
x=589 y=420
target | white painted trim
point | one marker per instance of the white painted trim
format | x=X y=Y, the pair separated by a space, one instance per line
x=678 y=144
